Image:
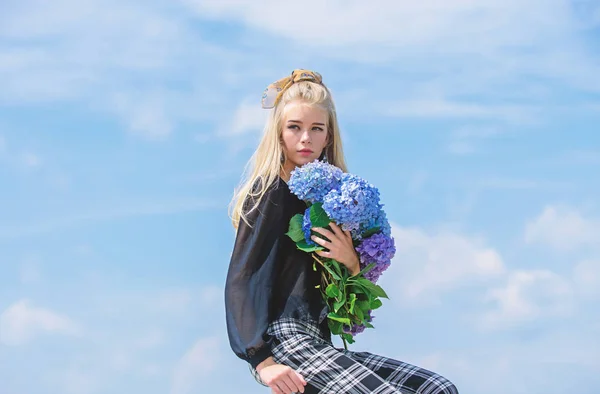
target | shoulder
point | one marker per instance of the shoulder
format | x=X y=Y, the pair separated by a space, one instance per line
x=259 y=201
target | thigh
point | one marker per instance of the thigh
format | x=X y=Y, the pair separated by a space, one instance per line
x=327 y=369
x=403 y=376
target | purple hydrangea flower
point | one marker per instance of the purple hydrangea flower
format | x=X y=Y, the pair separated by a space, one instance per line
x=314 y=180
x=357 y=328
x=354 y=203
x=306 y=226
x=379 y=249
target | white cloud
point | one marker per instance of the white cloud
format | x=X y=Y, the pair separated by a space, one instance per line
x=202 y=138
x=150 y=340
x=127 y=210
x=249 y=117
x=400 y=24
x=443 y=108
x=586 y=276
x=501 y=38
x=563 y=228
x=527 y=296
x=176 y=300
x=128 y=59
x=31 y=160
x=144 y=115
x=193 y=368
x=461 y=148
x=22 y=322
x=428 y=265
x=75 y=380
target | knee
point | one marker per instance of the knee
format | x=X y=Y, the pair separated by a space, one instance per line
x=448 y=388
x=444 y=386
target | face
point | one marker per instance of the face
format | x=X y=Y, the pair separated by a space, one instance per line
x=304 y=134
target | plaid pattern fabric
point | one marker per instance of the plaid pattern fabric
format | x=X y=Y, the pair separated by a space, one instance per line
x=301 y=346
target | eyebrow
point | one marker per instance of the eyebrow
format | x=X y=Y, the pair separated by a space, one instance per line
x=299 y=121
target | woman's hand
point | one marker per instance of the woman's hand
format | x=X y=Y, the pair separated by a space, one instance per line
x=281 y=378
x=340 y=247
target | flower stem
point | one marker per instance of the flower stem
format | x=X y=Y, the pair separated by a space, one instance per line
x=345 y=344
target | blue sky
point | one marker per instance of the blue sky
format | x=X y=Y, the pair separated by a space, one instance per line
x=125 y=126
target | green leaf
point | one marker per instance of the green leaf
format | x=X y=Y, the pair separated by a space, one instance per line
x=368 y=325
x=332 y=272
x=318 y=216
x=363 y=306
x=304 y=246
x=355 y=289
x=332 y=290
x=337 y=305
x=349 y=338
x=371 y=287
x=359 y=314
x=376 y=303
x=336 y=317
x=295 y=230
x=335 y=327
x=370 y=232
x=352 y=302
x=366 y=269
x=336 y=266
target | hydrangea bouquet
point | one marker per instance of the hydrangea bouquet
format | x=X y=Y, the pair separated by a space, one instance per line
x=352 y=203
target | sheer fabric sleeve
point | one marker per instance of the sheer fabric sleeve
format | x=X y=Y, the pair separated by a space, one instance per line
x=249 y=283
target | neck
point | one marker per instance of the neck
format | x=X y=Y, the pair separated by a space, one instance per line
x=287 y=169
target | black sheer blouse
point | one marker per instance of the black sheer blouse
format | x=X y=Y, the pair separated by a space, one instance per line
x=269 y=277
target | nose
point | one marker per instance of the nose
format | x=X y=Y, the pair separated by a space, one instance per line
x=305 y=138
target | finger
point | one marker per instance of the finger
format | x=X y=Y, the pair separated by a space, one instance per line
x=336 y=229
x=283 y=385
x=302 y=380
x=275 y=389
x=323 y=253
x=320 y=241
x=348 y=234
x=295 y=382
x=298 y=380
x=325 y=232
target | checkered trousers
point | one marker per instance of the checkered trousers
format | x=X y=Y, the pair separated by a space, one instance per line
x=329 y=370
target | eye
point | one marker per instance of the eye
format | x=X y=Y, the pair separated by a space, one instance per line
x=292 y=126
x=318 y=128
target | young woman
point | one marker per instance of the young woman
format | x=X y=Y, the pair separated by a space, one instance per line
x=276 y=318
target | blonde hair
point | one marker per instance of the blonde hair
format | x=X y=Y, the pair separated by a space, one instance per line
x=266 y=164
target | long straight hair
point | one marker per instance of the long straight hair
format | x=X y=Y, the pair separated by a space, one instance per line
x=266 y=164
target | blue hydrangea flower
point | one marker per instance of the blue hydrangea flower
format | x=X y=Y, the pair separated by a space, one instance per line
x=314 y=180
x=379 y=221
x=354 y=203
x=306 y=226
x=379 y=249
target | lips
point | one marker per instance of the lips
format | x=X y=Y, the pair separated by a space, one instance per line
x=305 y=152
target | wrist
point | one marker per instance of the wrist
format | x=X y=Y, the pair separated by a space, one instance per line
x=355 y=267
x=265 y=363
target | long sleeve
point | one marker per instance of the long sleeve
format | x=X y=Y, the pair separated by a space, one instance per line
x=249 y=283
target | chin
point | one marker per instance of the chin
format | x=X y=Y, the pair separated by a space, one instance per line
x=304 y=160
